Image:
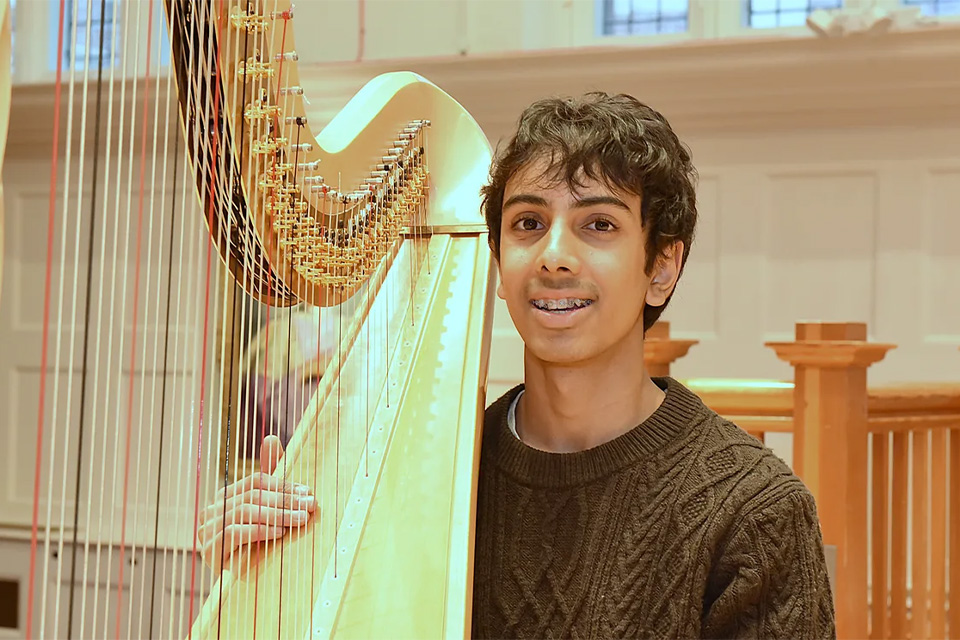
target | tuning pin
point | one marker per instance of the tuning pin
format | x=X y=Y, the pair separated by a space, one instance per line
x=290 y=56
x=282 y=15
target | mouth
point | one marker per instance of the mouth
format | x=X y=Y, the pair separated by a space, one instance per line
x=560 y=306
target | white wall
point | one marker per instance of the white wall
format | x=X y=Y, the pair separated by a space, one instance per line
x=830 y=183
x=336 y=31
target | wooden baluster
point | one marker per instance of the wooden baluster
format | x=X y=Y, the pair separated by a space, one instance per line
x=898 y=536
x=830 y=363
x=918 y=579
x=879 y=620
x=954 y=579
x=659 y=351
x=938 y=534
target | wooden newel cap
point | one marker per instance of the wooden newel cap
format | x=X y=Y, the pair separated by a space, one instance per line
x=831 y=354
x=831 y=345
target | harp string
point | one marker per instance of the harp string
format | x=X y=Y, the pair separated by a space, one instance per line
x=237 y=300
x=166 y=347
x=285 y=380
x=121 y=349
x=135 y=316
x=184 y=391
x=140 y=506
x=213 y=197
x=97 y=404
x=185 y=358
x=53 y=450
x=94 y=186
x=46 y=325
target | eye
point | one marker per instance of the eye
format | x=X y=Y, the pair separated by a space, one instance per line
x=603 y=225
x=527 y=223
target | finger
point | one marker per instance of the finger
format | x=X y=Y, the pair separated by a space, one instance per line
x=260 y=481
x=271 y=450
x=274 y=499
x=256 y=514
x=251 y=514
x=219 y=548
x=264 y=498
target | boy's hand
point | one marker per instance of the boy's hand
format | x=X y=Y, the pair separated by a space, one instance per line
x=257 y=508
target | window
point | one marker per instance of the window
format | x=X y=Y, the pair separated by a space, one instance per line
x=935 y=7
x=644 y=17
x=768 y=14
x=90 y=10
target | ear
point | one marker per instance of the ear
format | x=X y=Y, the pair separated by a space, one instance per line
x=666 y=271
x=496 y=259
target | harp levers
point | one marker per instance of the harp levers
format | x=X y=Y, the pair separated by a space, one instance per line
x=248 y=276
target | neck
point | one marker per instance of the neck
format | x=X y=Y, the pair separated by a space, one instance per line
x=575 y=407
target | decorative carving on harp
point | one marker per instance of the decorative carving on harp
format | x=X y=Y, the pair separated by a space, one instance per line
x=349 y=313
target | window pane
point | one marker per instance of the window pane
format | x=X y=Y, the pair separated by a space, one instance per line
x=936 y=7
x=88 y=11
x=767 y=14
x=763 y=20
x=644 y=17
x=793 y=18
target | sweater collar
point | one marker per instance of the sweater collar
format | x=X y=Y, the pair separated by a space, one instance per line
x=675 y=415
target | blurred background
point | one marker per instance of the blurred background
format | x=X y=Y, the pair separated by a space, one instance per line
x=826 y=134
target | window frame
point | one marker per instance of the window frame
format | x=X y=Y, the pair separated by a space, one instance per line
x=706 y=19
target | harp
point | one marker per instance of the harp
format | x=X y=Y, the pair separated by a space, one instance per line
x=345 y=272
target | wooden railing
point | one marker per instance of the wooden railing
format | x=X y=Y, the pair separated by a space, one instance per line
x=883 y=464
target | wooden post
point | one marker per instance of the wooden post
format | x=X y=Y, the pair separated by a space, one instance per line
x=659 y=351
x=830 y=363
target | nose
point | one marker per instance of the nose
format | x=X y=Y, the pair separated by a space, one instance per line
x=559 y=251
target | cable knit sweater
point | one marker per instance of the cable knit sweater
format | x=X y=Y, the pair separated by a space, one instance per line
x=683 y=527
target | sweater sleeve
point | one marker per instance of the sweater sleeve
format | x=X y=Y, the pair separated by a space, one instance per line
x=771 y=580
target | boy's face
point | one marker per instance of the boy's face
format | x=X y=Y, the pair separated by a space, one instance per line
x=571 y=268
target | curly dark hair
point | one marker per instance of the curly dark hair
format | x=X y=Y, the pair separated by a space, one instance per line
x=612 y=139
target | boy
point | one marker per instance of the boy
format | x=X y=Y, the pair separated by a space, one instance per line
x=611 y=504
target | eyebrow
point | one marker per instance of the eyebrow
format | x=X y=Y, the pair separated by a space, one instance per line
x=589 y=201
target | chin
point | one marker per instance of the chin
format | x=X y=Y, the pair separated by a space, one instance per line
x=560 y=352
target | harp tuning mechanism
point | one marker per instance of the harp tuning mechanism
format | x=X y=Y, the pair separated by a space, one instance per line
x=249 y=22
x=286 y=14
x=268 y=145
x=289 y=56
x=260 y=111
x=254 y=69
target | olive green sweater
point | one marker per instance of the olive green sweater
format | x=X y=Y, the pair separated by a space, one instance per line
x=683 y=527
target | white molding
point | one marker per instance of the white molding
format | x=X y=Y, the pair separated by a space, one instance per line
x=717 y=86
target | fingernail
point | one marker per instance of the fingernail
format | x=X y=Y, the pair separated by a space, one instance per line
x=307 y=502
x=302 y=489
x=299 y=517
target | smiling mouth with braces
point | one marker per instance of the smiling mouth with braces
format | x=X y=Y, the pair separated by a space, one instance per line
x=565 y=304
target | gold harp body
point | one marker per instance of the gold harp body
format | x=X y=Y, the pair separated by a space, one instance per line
x=379 y=214
x=394 y=465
